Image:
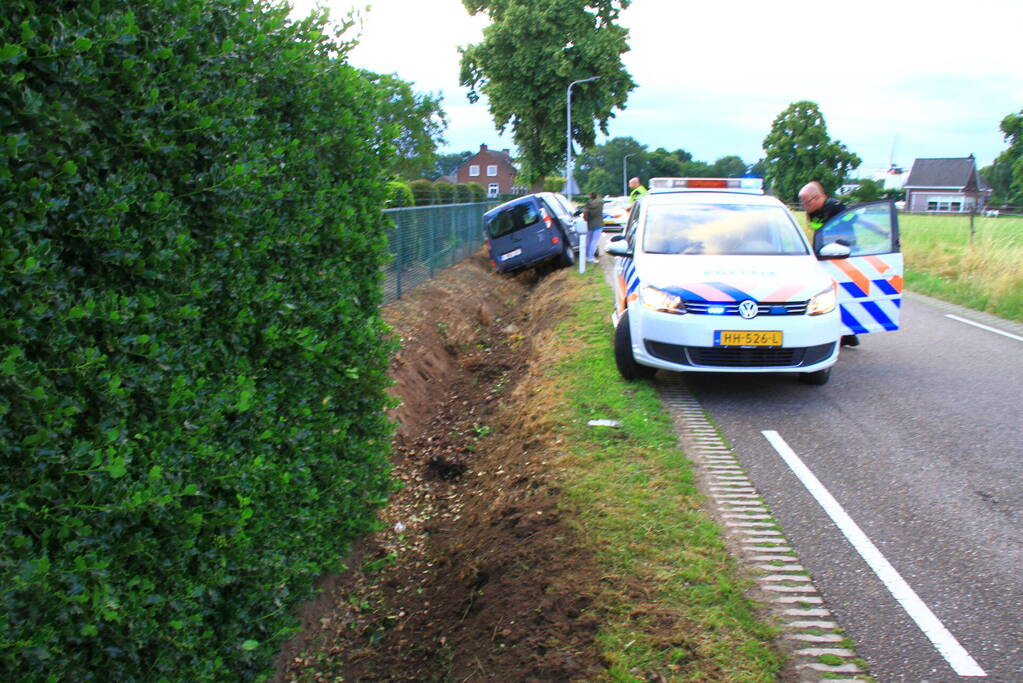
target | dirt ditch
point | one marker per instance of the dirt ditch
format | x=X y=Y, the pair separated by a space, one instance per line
x=472 y=576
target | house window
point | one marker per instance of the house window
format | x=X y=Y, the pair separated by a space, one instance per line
x=492 y=171
x=474 y=171
x=493 y=190
x=945 y=204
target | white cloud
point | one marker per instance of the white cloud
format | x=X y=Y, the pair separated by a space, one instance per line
x=713 y=76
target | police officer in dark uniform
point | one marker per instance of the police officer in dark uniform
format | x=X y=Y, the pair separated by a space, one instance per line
x=819 y=210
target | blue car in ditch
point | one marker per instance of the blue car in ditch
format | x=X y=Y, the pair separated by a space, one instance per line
x=531 y=230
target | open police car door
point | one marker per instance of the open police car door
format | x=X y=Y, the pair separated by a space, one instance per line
x=870 y=277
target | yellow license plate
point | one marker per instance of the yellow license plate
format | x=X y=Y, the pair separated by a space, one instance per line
x=747 y=338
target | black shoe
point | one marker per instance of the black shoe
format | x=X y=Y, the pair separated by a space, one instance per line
x=850 y=340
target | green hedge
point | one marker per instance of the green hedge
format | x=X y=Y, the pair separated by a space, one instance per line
x=191 y=367
x=477 y=192
x=424 y=193
x=399 y=194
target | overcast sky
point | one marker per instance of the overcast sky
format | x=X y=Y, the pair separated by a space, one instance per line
x=895 y=80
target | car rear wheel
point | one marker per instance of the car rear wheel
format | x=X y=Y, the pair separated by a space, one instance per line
x=567 y=257
x=628 y=368
x=816 y=378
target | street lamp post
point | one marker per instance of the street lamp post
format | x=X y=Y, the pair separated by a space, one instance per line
x=570 y=188
x=625 y=181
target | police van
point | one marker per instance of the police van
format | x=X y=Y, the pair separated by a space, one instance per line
x=712 y=275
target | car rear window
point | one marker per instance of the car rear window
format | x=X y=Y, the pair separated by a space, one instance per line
x=513 y=218
x=720 y=229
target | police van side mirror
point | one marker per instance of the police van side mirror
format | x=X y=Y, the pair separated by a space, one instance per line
x=618 y=246
x=834 y=250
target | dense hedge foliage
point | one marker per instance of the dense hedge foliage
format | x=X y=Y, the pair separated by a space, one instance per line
x=424 y=192
x=477 y=193
x=191 y=367
x=399 y=194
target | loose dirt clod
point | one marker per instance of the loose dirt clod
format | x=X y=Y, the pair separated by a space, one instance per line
x=484 y=581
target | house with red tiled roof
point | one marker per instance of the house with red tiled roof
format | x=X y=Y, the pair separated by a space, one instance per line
x=491 y=169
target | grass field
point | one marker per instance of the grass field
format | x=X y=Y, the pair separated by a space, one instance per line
x=985 y=274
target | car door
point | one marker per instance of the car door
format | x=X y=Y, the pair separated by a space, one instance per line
x=562 y=209
x=870 y=278
x=626 y=279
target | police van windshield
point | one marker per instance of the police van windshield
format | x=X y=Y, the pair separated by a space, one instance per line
x=721 y=229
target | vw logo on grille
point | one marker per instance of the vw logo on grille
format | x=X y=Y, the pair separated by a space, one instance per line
x=748 y=309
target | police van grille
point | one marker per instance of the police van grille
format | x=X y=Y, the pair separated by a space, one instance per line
x=731 y=357
x=763 y=308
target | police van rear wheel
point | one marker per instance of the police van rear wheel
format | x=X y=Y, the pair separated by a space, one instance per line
x=628 y=368
x=816 y=378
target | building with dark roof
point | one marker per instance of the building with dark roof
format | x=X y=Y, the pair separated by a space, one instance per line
x=945 y=186
x=493 y=170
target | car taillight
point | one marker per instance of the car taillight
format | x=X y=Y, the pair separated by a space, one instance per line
x=554 y=240
x=546 y=217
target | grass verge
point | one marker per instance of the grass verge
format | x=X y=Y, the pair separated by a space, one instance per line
x=983 y=273
x=673 y=598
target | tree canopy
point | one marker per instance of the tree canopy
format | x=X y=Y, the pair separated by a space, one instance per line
x=530 y=52
x=418 y=124
x=798 y=149
x=603 y=168
x=1012 y=158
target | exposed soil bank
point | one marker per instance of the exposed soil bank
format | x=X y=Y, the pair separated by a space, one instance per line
x=473 y=576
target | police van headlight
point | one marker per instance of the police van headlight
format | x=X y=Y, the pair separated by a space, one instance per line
x=824 y=302
x=662 y=301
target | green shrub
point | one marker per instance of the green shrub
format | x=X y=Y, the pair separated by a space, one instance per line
x=477 y=192
x=444 y=192
x=192 y=374
x=399 y=194
x=423 y=191
x=553 y=184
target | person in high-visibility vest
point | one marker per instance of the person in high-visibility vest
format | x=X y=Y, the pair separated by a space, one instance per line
x=636 y=190
x=819 y=210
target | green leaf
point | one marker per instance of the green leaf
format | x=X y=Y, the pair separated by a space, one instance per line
x=82 y=44
x=89 y=630
x=116 y=469
x=250 y=644
x=70 y=167
x=10 y=52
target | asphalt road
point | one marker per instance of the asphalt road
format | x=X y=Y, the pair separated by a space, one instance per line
x=919 y=437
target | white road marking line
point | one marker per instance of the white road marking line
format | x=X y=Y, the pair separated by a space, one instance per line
x=1010 y=335
x=946 y=644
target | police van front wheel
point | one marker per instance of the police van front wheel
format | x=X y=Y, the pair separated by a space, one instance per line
x=816 y=378
x=628 y=368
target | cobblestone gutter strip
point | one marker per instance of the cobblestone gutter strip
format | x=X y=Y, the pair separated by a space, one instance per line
x=815 y=641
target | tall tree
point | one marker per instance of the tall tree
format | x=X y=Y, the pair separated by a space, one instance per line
x=530 y=52
x=798 y=149
x=664 y=164
x=446 y=164
x=1012 y=126
x=731 y=166
x=999 y=177
x=602 y=182
x=418 y=124
x=617 y=156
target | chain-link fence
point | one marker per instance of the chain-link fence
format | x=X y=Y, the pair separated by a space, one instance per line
x=428 y=239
